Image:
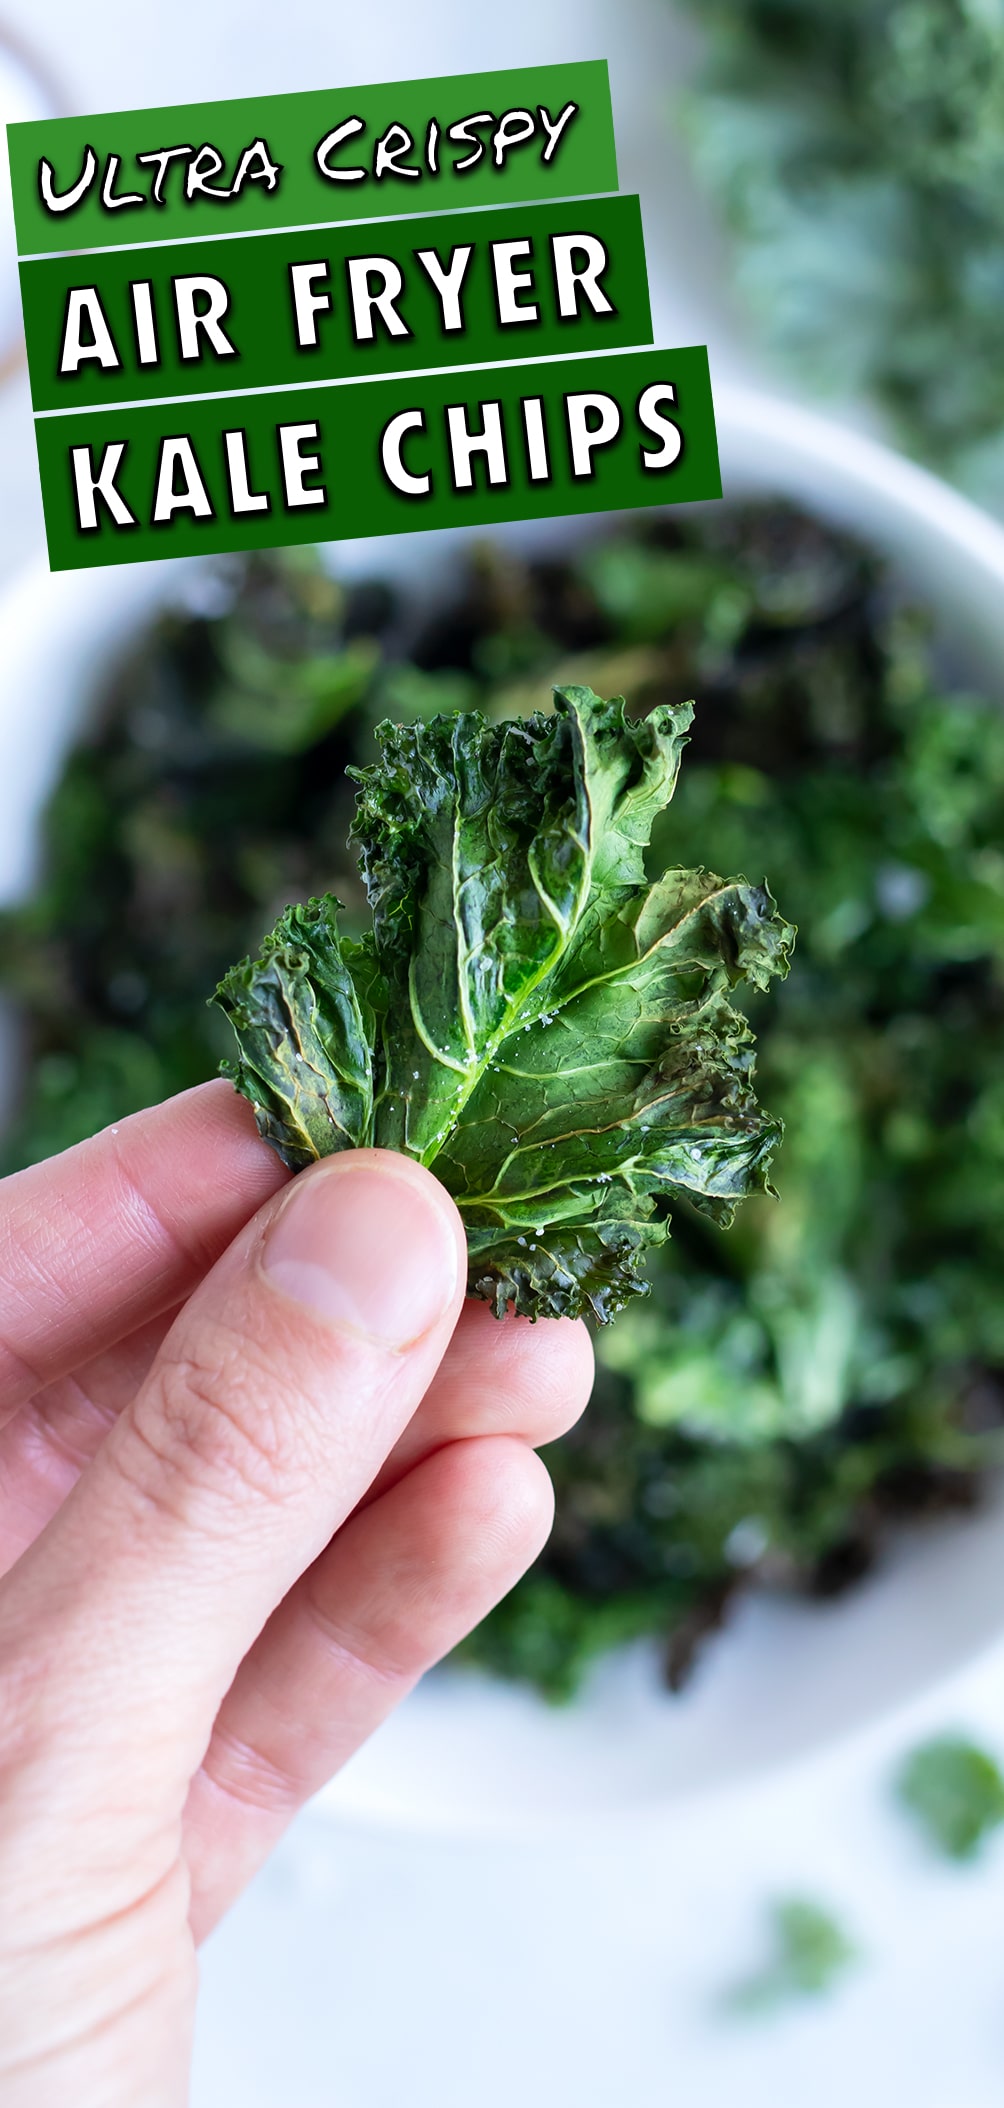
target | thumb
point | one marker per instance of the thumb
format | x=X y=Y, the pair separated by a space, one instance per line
x=276 y=1396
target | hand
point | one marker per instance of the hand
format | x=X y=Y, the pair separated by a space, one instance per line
x=261 y=1465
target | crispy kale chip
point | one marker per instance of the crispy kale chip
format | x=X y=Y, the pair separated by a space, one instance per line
x=528 y=1012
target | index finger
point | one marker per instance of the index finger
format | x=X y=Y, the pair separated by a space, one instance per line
x=96 y=1242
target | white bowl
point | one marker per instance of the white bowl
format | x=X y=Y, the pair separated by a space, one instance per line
x=787 y=1676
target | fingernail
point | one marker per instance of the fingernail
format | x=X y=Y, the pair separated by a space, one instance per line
x=366 y=1248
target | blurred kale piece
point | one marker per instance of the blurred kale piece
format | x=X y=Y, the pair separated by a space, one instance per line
x=834 y=1363
x=211 y=791
x=809 y=1953
x=858 y=154
x=955 y=1792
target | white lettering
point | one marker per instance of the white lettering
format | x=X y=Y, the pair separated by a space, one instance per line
x=554 y=131
x=464 y=444
x=267 y=170
x=448 y=282
x=462 y=134
x=108 y=199
x=296 y=465
x=163 y=155
x=509 y=282
x=68 y=198
x=365 y=298
x=583 y=437
x=660 y=427
x=388 y=155
x=193 y=496
x=207 y=320
x=84 y=305
x=538 y=460
x=306 y=303
x=242 y=497
x=570 y=277
x=144 y=322
x=207 y=162
x=514 y=129
x=390 y=454
x=346 y=130
x=89 y=486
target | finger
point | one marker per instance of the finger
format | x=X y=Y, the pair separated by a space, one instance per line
x=515 y=1378
x=96 y=1241
x=275 y=1397
x=401 y=1584
x=47 y=1445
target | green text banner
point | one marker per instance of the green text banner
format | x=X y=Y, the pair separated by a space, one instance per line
x=313 y=159
x=533 y=440
x=470 y=287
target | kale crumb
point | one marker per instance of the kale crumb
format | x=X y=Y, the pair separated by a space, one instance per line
x=808 y=1955
x=954 y=1792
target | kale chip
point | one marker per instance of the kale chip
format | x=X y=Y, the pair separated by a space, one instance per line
x=528 y=1012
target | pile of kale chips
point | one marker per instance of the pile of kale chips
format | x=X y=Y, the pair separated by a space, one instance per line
x=833 y=1363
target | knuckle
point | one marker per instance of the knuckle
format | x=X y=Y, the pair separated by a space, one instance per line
x=19 y=1377
x=380 y=1658
x=215 y=1419
x=249 y=1776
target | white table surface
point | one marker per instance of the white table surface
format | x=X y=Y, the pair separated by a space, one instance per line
x=372 y=1969
x=377 y=1967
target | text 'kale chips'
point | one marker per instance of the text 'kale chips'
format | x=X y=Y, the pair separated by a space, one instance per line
x=529 y=1014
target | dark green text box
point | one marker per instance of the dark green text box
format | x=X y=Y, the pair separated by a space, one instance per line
x=262 y=275
x=583 y=160
x=358 y=494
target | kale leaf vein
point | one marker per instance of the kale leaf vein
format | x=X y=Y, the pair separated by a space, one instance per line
x=528 y=1012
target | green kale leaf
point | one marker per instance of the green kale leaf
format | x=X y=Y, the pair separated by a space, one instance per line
x=810 y=1952
x=955 y=1791
x=528 y=1012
